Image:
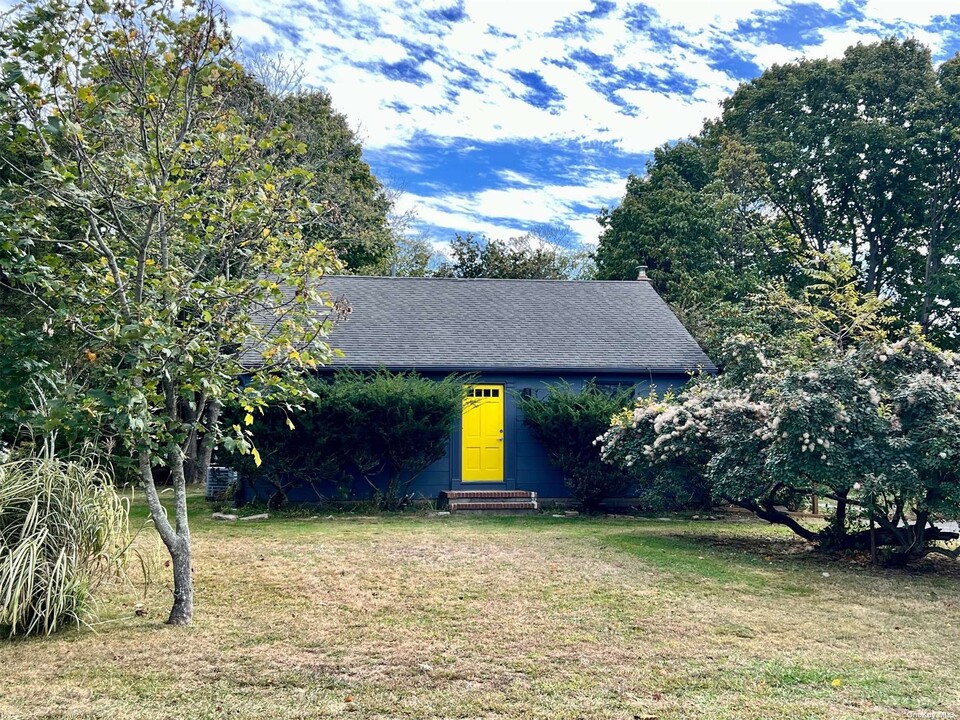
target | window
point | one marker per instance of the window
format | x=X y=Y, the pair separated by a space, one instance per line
x=484 y=392
x=613 y=387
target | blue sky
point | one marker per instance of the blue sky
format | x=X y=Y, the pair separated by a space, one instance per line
x=498 y=117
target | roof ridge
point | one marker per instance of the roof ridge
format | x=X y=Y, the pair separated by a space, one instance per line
x=508 y=280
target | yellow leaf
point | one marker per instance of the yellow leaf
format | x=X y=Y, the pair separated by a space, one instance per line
x=236 y=428
x=248 y=419
x=85 y=95
x=269 y=187
x=290 y=424
x=256 y=457
x=168 y=56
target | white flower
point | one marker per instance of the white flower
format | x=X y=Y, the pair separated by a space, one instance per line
x=857 y=486
x=943 y=455
x=882 y=358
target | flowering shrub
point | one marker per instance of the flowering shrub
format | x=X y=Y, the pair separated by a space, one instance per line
x=876 y=429
x=661 y=445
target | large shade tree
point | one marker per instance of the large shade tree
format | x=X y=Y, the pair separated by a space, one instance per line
x=695 y=220
x=858 y=152
x=861 y=152
x=153 y=232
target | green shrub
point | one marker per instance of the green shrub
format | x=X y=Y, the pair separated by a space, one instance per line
x=677 y=485
x=567 y=424
x=63 y=531
x=381 y=426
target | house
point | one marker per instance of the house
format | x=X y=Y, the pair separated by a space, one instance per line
x=515 y=337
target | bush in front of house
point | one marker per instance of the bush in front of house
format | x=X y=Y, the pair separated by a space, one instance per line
x=382 y=427
x=681 y=483
x=875 y=430
x=567 y=424
x=63 y=531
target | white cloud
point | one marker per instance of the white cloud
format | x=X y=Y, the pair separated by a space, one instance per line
x=670 y=78
x=913 y=12
x=486 y=211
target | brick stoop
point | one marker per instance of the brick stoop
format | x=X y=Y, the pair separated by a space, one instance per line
x=493 y=502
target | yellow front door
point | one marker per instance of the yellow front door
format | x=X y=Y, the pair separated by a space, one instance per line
x=483 y=434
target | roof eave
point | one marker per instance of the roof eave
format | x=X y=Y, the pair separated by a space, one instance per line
x=521 y=370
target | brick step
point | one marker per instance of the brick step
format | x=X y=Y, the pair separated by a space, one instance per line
x=493 y=506
x=488 y=494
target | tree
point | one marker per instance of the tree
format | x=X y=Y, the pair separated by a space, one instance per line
x=858 y=152
x=528 y=257
x=835 y=409
x=412 y=256
x=695 y=221
x=355 y=223
x=861 y=152
x=156 y=230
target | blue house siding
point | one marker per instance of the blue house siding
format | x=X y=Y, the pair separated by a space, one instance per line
x=525 y=461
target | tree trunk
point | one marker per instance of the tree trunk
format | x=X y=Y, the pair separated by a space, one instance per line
x=210 y=435
x=772 y=515
x=182 y=558
x=177 y=541
x=930 y=271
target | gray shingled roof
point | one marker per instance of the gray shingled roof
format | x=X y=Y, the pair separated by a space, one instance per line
x=452 y=325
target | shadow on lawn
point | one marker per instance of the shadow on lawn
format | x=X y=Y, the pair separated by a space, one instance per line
x=749 y=560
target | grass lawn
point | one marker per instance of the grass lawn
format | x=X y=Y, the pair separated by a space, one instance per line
x=532 y=617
